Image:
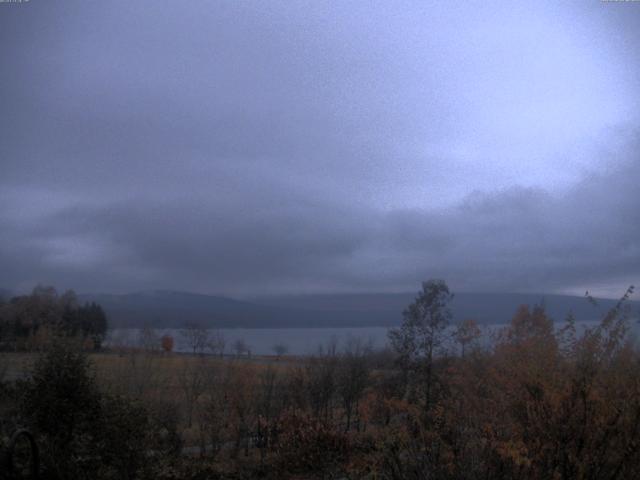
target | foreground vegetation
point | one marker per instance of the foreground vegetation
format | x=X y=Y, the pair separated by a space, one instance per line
x=537 y=402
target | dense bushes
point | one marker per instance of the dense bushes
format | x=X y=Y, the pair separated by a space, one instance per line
x=308 y=445
x=538 y=404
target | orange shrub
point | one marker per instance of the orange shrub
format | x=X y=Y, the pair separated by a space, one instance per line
x=166 y=342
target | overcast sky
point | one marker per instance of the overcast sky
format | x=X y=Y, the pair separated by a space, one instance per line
x=248 y=148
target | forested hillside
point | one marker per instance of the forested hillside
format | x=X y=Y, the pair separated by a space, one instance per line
x=176 y=309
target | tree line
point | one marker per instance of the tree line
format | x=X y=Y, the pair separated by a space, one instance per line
x=30 y=322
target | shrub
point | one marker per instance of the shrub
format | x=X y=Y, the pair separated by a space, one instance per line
x=82 y=432
x=166 y=342
x=306 y=445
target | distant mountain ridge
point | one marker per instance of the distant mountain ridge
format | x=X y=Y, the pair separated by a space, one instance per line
x=165 y=309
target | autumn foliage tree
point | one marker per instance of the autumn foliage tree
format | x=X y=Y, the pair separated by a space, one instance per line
x=166 y=343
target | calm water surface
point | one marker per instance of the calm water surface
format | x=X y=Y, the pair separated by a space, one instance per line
x=299 y=341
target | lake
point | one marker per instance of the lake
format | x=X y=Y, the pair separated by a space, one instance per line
x=299 y=341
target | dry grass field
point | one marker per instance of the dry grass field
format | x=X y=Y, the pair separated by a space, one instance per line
x=183 y=381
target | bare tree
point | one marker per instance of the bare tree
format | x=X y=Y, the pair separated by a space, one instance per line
x=119 y=340
x=196 y=337
x=280 y=349
x=240 y=347
x=192 y=378
x=216 y=343
x=320 y=373
x=268 y=406
x=353 y=376
x=213 y=413
x=148 y=339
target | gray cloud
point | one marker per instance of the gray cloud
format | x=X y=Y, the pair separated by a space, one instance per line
x=514 y=239
x=252 y=148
